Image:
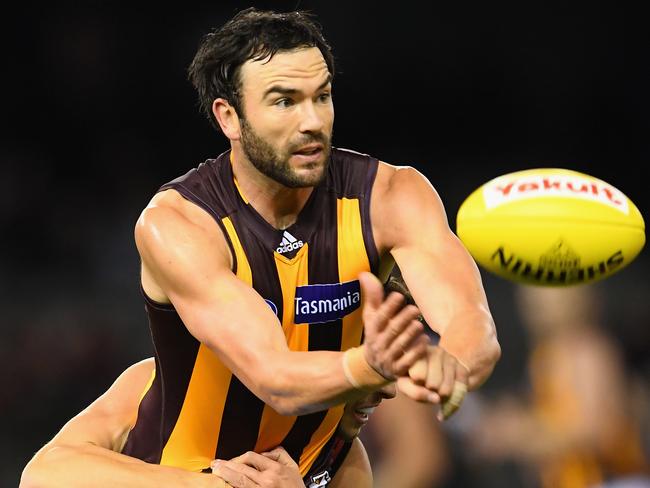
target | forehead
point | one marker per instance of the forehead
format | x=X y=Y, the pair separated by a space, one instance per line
x=286 y=67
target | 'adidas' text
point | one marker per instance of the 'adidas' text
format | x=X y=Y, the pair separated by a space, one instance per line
x=289 y=243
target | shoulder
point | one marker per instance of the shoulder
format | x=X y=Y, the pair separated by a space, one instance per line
x=169 y=207
x=124 y=393
x=355 y=470
x=404 y=200
x=171 y=224
x=350 y=172
x=138 y=373
x=107 y=421
x=397 y=182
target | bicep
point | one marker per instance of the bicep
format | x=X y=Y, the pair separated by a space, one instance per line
x=440 y=273
x=189 y=263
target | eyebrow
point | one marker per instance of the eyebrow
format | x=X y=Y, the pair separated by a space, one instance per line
x=282 y=90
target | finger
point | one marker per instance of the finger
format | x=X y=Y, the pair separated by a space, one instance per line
x=253 y=460
x=397 y=325
x=462 y=374
x=372 y=291
x=237 y=475
x=434 y=371
x=281 y=456
x=418 y=371
x=389 y=309
x=449 y=365
x=417 y=353
x=416 y=392
x=402 y=343
x=406 y=314
x=453 y=403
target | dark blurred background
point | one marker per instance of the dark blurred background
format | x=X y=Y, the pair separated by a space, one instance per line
x=97 y=113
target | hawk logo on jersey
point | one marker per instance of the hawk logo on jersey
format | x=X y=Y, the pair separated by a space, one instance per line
x=319 y=480
x=289 y=243
x=323 y=303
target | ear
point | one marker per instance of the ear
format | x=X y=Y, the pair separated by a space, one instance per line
x=227 y=118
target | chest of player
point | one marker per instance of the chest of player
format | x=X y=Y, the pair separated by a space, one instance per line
x=308 y=273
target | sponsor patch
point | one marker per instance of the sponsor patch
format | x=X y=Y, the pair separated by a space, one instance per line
x=508 y=189
x=323 y=303
x=271 y=305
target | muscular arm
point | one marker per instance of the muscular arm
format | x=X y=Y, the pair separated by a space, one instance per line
x=186 y=261
x=83 y=453
x=409 y=221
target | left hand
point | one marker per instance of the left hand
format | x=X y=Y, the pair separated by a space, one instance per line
x=273 y=469
x=442 y=373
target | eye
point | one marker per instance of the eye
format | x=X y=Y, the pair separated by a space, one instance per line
x=284 y=103
x=324 y=97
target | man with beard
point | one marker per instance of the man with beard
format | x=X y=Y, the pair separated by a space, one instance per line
x=254 y=263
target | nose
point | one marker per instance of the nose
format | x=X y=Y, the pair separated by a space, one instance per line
x=311 y=119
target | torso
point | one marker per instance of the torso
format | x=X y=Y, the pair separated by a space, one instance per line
x=196 y=410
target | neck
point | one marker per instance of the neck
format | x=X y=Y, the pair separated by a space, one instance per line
x=276 y=203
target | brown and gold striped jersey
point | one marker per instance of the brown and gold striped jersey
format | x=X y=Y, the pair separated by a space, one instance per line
x=195 y=409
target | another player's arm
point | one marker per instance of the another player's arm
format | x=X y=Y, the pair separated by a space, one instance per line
x=410 y=222
x=185 y=255
x=85 y=453
x=273 y=469
x=276 y=469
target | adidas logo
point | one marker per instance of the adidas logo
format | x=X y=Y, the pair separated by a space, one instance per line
x=289 y=243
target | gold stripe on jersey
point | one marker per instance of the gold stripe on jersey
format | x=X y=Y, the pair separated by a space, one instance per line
x=353 y=259
x=244 y=272
x=322 y=435
x=191 y=445
x=291 y=274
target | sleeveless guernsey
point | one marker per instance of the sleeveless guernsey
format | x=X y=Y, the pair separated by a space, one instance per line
x=194 y=409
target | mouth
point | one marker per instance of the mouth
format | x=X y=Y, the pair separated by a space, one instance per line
x=309 y=150
x=362 y=414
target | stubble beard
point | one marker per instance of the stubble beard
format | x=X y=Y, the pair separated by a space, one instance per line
x=275 y=165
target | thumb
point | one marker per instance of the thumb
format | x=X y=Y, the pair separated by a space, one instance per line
x=418 y=372
x=372 y=291
x=281 y=456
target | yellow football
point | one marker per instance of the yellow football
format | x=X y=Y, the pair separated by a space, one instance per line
x=550 y=227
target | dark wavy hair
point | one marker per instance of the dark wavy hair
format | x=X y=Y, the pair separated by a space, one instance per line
x=250 y=34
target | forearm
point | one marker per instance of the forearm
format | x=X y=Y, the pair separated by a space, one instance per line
x=90 y=466
x=297 y=383
x=471 y=338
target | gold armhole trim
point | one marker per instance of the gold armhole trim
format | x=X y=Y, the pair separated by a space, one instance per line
x=244 y=272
